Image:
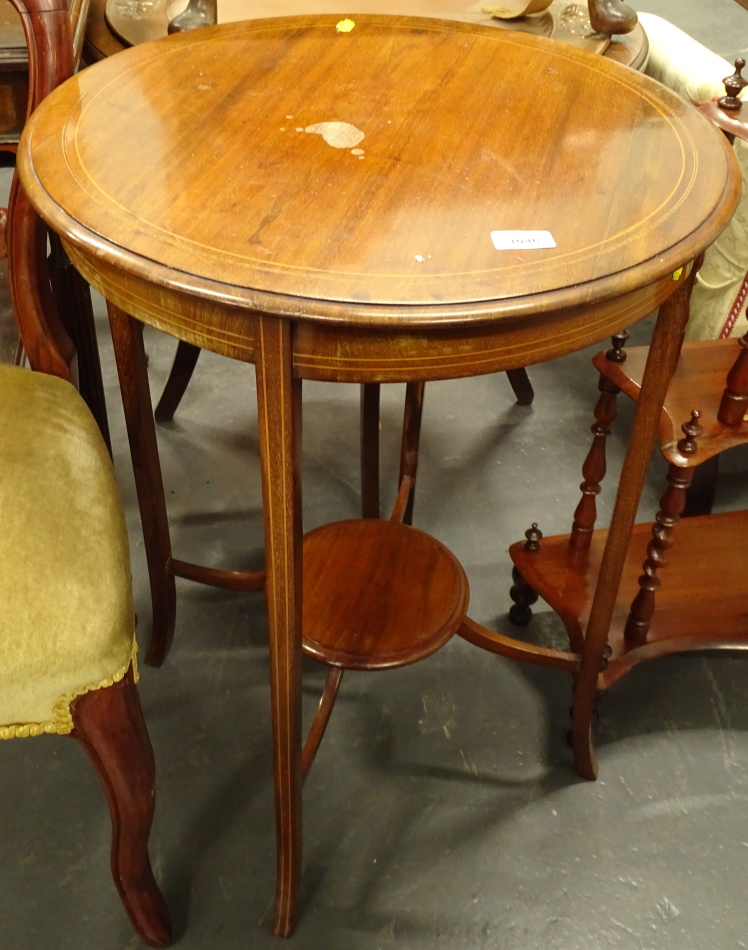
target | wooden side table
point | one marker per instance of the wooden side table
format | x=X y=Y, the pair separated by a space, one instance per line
x=349 y=201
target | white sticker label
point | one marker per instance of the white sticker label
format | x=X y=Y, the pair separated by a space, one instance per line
x=516 y=240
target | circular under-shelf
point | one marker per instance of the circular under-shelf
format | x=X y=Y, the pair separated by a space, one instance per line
x=378 y=594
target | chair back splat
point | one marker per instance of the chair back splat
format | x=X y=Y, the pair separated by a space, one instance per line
x=46 y=24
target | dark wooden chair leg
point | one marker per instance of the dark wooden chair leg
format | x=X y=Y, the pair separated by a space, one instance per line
x=109 y=725
x=414 y=393
x=521 y=385
x=370 y=395
x=185 y=360
x=127 y=336
x=700 y=495
x=73 y=296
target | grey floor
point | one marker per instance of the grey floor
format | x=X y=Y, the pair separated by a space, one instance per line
x=442 y=810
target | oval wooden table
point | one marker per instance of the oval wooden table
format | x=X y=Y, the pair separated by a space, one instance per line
x=355 y=202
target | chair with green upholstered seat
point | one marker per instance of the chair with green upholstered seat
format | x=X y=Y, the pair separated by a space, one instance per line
x=67 y=627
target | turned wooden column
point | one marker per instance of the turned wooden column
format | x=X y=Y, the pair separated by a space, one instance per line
x=672 y=504
x=734 y=402
x=595 y=465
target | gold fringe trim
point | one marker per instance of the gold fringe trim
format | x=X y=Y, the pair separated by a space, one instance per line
x=62 y=724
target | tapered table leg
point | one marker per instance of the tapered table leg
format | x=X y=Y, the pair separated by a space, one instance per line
x=185 y=361
x=73 y=297
x=521 y=386
x=127 y=336
x=661 y=362
x=370 y=397
x=279 y=417
x=414 y=394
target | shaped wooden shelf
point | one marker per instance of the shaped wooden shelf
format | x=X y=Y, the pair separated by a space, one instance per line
x=683 y=584
x=697 y=384
x=702 y=602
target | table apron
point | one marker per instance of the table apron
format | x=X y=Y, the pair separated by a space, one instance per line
x=206 y=323
x=336 y=352
x=349 y=354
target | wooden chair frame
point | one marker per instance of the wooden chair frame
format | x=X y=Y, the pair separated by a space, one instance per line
x=108 y=722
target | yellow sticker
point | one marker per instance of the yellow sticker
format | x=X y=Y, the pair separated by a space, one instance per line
x=345 y=26
x=677 y=273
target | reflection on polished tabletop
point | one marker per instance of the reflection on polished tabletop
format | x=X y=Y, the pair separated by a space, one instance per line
x=480 y=143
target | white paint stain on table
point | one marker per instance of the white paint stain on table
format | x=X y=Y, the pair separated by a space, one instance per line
x=337 y=134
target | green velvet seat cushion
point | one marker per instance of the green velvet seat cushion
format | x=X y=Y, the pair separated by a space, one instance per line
x=66 y=620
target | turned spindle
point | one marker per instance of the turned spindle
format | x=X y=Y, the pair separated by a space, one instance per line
x=734 y=402
x=672 y=504
x=521 y=593
x=734 y=85
x=617 y=354
x=691 y=431
x=594 y=468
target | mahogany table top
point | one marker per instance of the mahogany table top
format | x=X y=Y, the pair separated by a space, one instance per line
x=284 y=165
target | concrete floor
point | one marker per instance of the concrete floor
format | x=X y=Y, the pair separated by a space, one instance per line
x=442 y=811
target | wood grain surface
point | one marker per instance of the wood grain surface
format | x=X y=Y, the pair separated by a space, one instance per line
x=692 y=612
x=241 y=194
x=378 y=594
